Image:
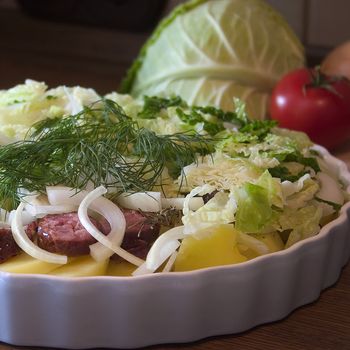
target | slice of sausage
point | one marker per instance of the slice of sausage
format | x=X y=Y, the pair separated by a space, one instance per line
x=8 y=246
x=64 y=234
x=139 y=235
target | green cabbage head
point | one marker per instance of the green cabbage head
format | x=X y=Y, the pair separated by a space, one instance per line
x=207 y=52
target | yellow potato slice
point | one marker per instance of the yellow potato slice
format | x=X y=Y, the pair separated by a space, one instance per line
x=122 y=268
x=24 y=263
x=217 y=248
x=82 y=266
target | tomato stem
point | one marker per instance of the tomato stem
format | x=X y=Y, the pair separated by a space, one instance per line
x=322 y=81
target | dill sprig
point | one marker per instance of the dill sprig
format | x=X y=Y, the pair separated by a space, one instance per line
x=100 y=145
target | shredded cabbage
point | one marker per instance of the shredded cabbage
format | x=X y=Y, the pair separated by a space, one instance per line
x=28 y=103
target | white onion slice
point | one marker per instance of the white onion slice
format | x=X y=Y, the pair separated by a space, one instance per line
x=42 y=210
x=330 y=189
x=27 y=245
x=142 y=270
x=167 y=251
x=145 y=201
x=200 y=190
x=62 y=195
x=254 y=244
x=93 y=200
x=153 y=202
x=194 y=203
x=4 y=218
x=163 y=247
x=170 y=262
x=27 y=217
x=4 y=215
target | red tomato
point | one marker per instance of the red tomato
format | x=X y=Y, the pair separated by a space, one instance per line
x=306 y=100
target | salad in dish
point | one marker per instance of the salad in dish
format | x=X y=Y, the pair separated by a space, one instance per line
x=93 y=185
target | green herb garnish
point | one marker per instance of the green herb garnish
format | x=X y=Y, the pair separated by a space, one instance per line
x=153 y=105
x=100 y=145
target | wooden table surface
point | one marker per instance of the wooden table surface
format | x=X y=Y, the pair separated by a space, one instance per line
x=73 y=55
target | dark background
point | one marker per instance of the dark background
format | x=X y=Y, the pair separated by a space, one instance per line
x=88 y=43
x=73 y=42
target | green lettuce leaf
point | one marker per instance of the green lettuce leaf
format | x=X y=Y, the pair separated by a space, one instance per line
x=253 y=208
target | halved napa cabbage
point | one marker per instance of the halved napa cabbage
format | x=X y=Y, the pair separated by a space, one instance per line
x=209 y=51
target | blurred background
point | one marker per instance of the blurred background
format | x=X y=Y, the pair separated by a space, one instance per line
x=91 y=43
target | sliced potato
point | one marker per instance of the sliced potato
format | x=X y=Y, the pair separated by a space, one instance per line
x=24 y=263
x=217 y=248
x=82 y=266
x=122 y=268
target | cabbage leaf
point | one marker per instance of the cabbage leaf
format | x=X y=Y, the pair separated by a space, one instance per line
x=207 y=52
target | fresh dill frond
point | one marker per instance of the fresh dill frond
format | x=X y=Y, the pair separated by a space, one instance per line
x=100 y=145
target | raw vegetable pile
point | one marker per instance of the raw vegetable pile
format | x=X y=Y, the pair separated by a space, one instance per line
x=241 y=188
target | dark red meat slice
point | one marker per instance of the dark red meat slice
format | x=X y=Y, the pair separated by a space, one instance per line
x=64 y=234
x=8 y=246
x=139 y=234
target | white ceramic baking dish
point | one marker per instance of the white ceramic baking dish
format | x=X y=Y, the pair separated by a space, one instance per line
x=124 y=312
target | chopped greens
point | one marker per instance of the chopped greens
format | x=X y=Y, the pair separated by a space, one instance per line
x=101 y=145
x=284 y=174
x=211 y=118
x=153 y=105
x=258 y=128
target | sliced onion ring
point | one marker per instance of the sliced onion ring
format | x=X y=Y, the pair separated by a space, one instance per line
x=163 y=248
x=93 y=200
x=145 y=201
x=62 y=195
x=27 y=245
x=254 y=244
x=168 y=266
x=194 y=203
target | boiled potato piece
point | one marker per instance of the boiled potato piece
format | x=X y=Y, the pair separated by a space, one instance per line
x=24 y=263
x=82 y=266
x=120 y=268
x=217 y=248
